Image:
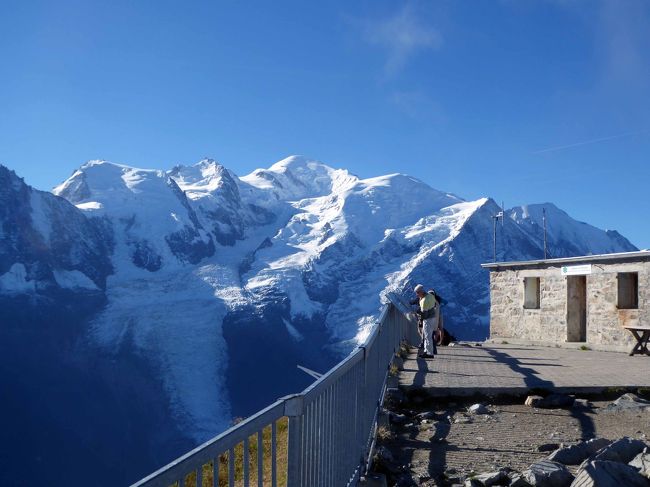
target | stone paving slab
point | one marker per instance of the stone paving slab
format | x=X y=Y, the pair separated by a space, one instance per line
x=514 y=369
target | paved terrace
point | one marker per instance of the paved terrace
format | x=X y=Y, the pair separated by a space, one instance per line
x=514 y=369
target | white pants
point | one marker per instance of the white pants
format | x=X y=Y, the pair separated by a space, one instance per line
x=429 y=326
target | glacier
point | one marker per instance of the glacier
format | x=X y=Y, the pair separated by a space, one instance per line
x=179 y=299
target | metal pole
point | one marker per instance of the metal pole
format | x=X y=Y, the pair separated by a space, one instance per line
x=544 y=224
x=293 y=409
x=494 y=237
x=503 y=233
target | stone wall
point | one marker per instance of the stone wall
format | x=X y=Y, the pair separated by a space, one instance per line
x=509 y=318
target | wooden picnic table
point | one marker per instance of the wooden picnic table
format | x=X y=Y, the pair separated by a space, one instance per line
x=642 y=335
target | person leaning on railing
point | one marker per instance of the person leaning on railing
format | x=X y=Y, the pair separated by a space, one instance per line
x=428 y=315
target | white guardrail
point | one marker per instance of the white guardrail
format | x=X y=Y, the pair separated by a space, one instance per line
x=331 y=426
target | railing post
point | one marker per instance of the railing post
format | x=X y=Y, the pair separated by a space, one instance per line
x=293 y=409
x=364 y=412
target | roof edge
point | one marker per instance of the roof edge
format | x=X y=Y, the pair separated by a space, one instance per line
x=640 y=255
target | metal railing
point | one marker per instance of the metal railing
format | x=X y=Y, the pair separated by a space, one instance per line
x=331 y=424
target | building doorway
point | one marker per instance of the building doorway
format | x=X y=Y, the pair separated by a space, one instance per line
x=576 y=309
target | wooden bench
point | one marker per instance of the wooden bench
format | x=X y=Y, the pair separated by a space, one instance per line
x=642 y=335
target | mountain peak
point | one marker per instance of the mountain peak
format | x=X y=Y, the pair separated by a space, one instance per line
x=100 y=179
x=206 y=177
x=208 y=166
x=298 y=163
x=95 y=162
x=298 y=177
x=10 y=176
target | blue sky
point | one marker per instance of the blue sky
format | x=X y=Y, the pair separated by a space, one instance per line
x=522 y=100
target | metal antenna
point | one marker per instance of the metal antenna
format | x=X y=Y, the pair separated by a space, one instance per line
x=544 y=224
x=503 y=213
x=503 y=233
x=494 y=231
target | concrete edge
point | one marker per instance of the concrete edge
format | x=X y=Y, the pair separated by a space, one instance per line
x=518 y=391
x=568 y=345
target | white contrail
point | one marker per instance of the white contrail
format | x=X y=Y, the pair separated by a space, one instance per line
x=592 y=141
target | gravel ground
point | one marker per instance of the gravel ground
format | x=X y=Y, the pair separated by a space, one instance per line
x=443 y=449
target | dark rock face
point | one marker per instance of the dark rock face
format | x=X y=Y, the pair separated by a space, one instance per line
x=188 y=245
x=226 y=229
x=227 y=223
x=144 y=256
x=222 y=211
x=46 y=233
x=246 y=263
x=335 y=265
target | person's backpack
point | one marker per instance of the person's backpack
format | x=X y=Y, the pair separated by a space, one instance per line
x=441 y=301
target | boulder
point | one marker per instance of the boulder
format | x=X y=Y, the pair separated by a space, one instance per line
x=623 y=450
x=493 y=478
x=576 y=454
x=550 y=402
x=478 y=408
x=533 y=401
x=628 y=402
x=548 y=474
x=609 y=474
x=642 y=463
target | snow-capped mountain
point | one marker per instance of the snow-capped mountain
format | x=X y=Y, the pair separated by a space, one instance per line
x=210 y=288
x=151 y=216
x=566 y=235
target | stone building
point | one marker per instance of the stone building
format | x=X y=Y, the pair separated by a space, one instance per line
x=584 y=300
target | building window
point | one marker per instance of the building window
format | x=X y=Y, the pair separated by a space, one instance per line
x=628 y=290
x=531 y=292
